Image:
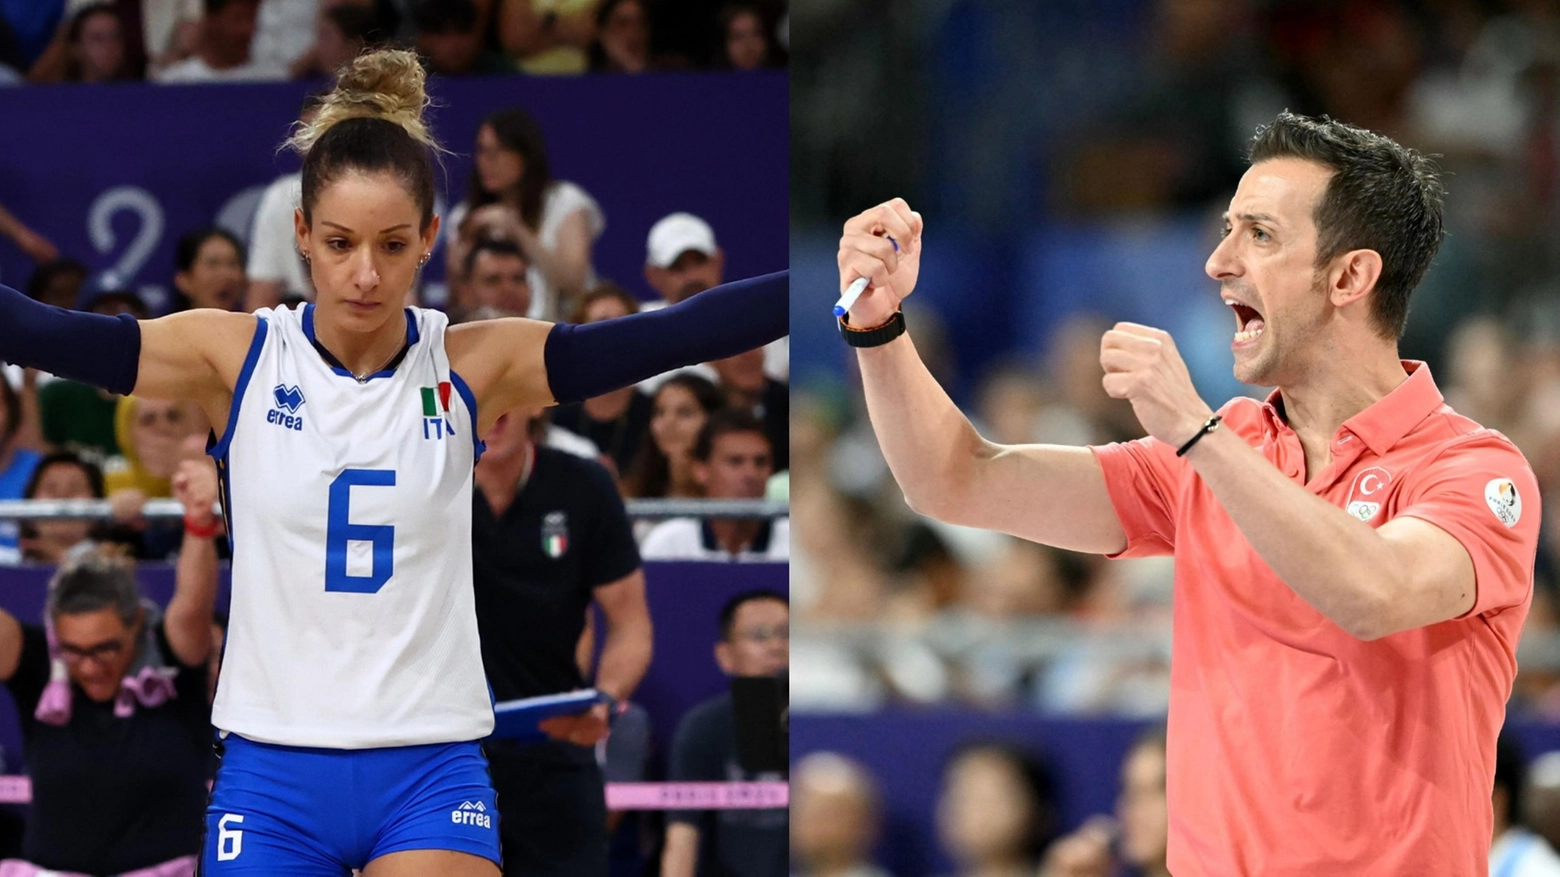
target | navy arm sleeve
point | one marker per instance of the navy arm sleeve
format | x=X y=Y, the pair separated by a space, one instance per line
x=595 y=358
x=95 y=349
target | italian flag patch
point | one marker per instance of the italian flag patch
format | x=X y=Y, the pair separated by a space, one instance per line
x=436 y=401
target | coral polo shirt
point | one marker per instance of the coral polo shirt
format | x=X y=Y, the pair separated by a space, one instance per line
x=1295 y=748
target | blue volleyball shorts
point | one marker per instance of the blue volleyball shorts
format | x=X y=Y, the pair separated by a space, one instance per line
x=299 y=811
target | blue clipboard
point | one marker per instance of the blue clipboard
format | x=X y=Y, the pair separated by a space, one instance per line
x=519 y=719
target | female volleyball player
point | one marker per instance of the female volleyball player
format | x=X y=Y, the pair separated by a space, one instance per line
x=352 y=692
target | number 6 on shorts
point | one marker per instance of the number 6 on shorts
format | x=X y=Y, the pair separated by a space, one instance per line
x=229 y=842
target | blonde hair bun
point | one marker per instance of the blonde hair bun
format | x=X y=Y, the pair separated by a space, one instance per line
x=387 y=84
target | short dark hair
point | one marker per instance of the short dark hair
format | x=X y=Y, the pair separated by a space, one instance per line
x=188 y=248
x=445 y=16
x=65 y=458
x=496 y=246
x=728 y=612
x=91 y=580
x=1382 y=196
x=1510 y=774
x=13 y=409
x=724 y=422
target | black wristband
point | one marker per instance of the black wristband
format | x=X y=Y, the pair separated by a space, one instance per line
x=1210 y=426
x=876 y=336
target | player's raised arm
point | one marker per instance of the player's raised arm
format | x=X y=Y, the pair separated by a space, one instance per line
x=1050 y=494
x=192 y=355
x=511 y=363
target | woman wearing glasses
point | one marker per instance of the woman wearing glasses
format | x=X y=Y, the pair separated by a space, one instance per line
x=111 y=691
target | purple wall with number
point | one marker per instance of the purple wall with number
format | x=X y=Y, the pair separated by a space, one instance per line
x=113 y=174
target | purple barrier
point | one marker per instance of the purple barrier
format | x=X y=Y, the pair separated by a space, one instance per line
x=113 y=174
x=685 y=601
x=906 y=750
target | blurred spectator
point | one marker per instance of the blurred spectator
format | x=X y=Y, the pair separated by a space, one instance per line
x=210 y=270
x=732 y=459
x=997 y=811
x=60 y=475
x=622 y=43
x=755 y=640
x=750 y=42
x=619 y=422
x=496 y=279
x=16 y=469
x=285 y=30
x=1141 y=829
x=682 y=259
x=1516 y=849
x=513 y=196
x=836 y=818
x=111 y=692
x=275 y=269
x=57 y=282
x=664 y=465
x=551 y=537
x=94 y=49
x=748 y=389
x=342 y=31
x=450 y=38
x=152 y=435
x=547 y=36
x=1541 y=797
x=36 y=246
x=222 y=54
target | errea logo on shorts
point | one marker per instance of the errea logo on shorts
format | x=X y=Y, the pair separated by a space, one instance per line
x=472 y=813
x=1504 y=501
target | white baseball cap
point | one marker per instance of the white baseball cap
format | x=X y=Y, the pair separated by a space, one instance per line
x=676 y=234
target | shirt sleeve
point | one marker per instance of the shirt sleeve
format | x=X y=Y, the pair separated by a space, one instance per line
x=612 y=553
x=1483 y=493
x=563 y=199
x=695 y=759
x=1141 y=477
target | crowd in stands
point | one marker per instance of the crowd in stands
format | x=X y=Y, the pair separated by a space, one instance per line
x=192 y=41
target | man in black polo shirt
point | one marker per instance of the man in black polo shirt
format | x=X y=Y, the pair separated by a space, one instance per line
x=549 y=535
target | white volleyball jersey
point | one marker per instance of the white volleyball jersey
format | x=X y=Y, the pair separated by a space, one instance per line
x=353 y=622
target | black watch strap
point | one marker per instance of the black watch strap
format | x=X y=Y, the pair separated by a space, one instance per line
x=876 y=336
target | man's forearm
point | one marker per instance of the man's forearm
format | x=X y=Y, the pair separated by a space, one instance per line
x=624 y=657
x=1339 y=565
x=929 y=444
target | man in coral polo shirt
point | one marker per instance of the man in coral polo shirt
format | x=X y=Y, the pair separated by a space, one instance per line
x=1353 y=558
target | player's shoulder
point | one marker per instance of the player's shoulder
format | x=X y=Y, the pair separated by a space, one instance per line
x=1446 y=432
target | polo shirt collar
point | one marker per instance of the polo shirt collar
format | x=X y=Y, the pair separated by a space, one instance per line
x=1386 y=421
x=759 y=545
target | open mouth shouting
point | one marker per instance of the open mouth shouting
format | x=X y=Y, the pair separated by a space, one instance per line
x=1248 y=322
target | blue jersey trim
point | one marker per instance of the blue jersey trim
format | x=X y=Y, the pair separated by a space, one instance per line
x=412 y=336
x=220 y=449
x=471 y=405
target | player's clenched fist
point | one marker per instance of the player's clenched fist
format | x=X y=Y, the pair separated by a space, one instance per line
x=882 y=244
x=1143 y=367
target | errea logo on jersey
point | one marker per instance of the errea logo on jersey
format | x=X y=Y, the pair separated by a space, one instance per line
x=287 y=401
x=472 y=813
x=436 y=411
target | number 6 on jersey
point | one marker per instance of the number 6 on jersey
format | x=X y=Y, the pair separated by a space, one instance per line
x=339 y=531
